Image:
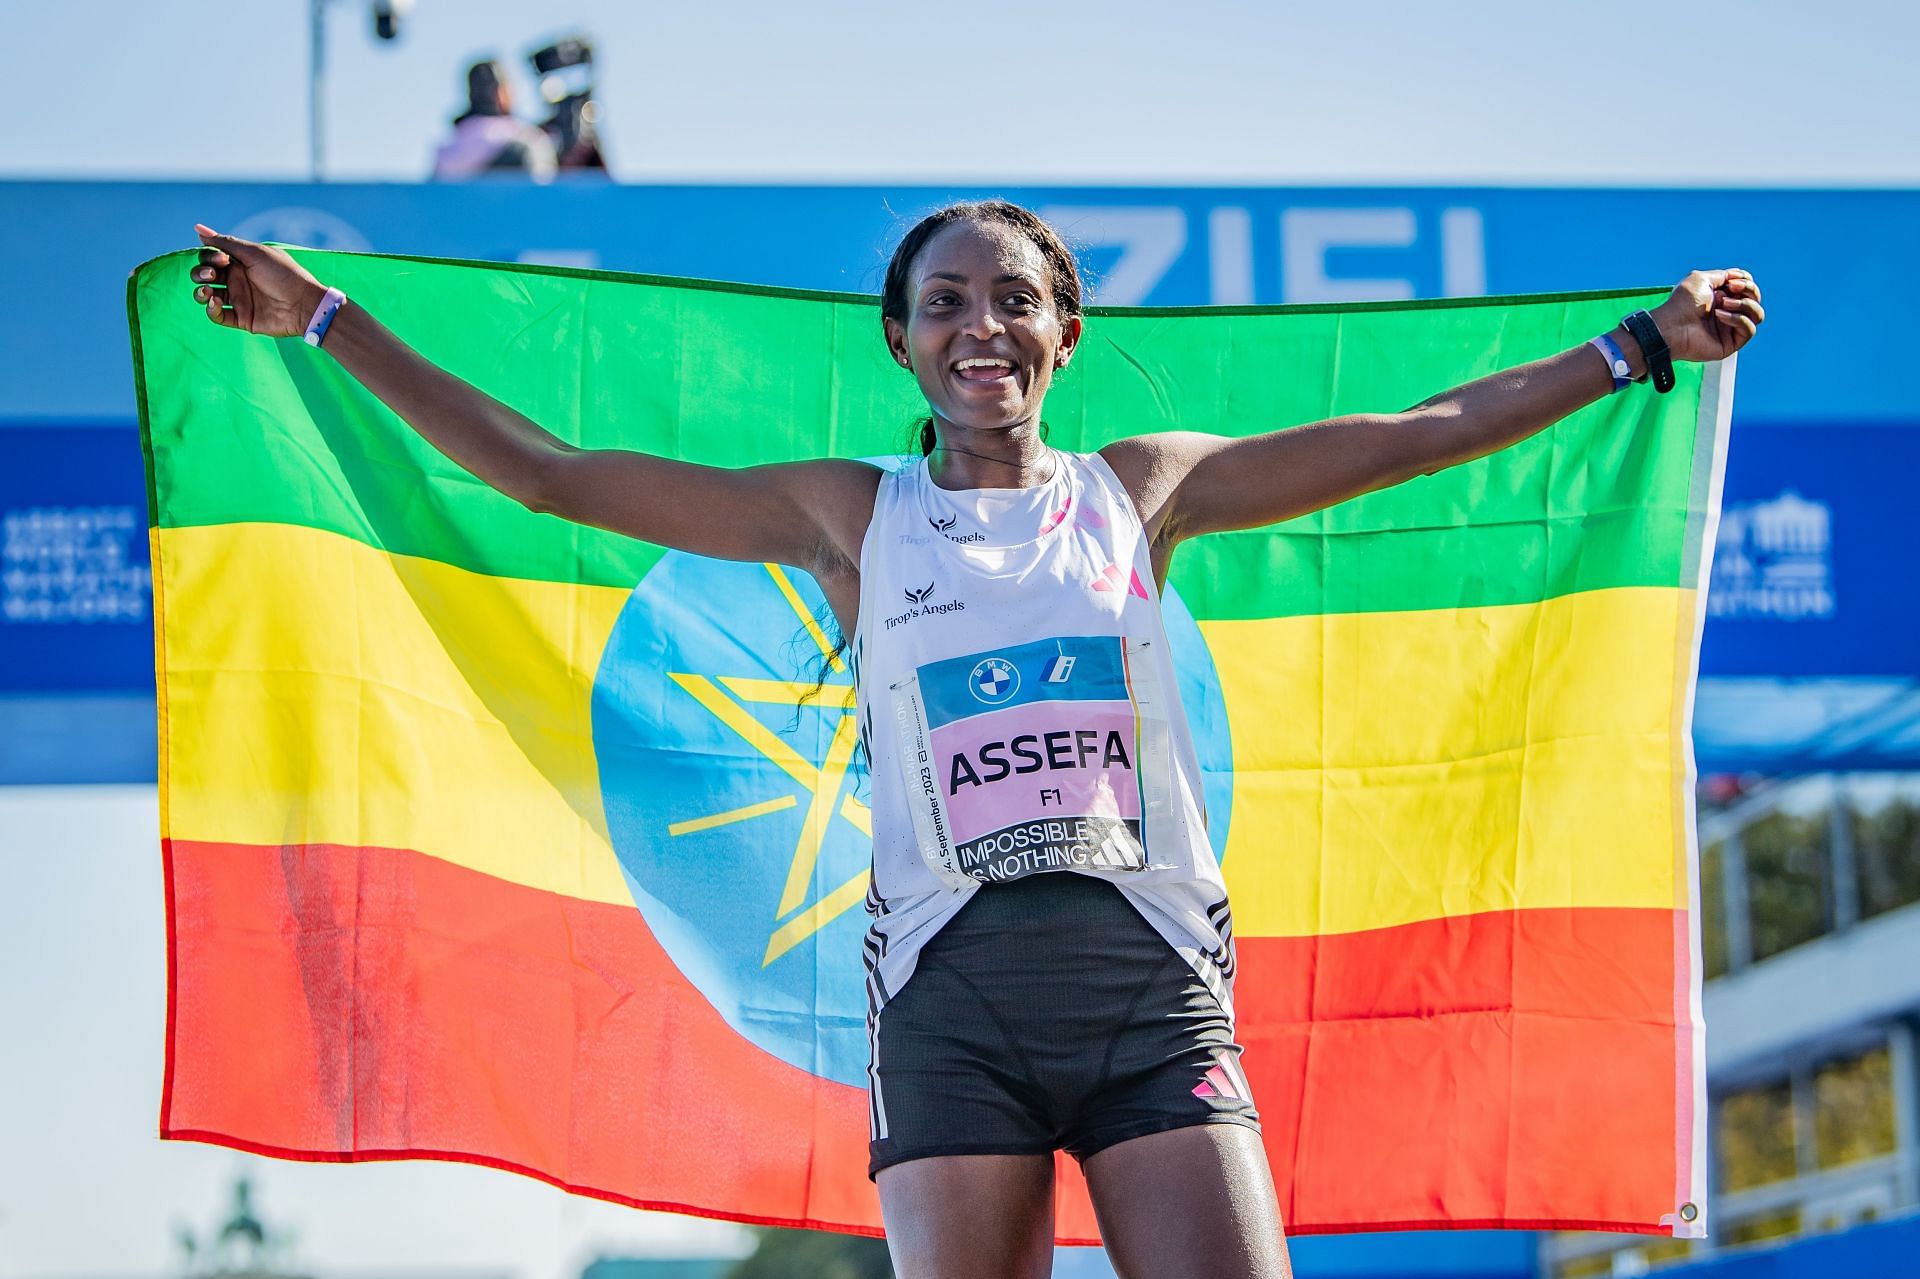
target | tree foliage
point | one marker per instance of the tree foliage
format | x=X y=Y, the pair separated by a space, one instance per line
x=814 y=1254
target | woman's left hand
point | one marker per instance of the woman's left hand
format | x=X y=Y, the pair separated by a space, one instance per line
x=1710 y=315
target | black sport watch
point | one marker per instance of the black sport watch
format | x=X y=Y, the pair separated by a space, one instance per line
x=1653 y=347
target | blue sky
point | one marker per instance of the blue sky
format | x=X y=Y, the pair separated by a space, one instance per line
x=1761 y=93
x=1478 y=90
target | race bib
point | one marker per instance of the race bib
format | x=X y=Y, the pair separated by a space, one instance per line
x=1053 y=755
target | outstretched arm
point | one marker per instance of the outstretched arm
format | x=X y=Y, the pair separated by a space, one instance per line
x=1188 y=483
x=806 y=514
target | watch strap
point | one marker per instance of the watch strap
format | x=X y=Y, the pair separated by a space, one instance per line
x=1653 y=347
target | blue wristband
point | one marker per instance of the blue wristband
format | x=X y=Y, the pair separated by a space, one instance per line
x=1616 y=361
x=323 y=316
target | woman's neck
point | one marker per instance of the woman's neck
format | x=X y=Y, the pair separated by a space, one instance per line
x=1015 y=458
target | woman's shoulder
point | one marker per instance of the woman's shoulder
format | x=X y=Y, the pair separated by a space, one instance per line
x=1131 y=463
x=840 y=479
x=1129 y=454
x=1147 y=471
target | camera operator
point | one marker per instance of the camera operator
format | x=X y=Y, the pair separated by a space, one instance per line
x=565 y=72
x=488 y=139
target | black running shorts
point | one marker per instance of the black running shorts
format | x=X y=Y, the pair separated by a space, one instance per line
x=1048 y=1015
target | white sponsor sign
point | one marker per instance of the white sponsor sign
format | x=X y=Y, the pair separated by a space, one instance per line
x=1152 y=238
x=1774 y=559
x=63 y=564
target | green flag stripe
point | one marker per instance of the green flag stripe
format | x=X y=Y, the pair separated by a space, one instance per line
x=1238 y=576
x=245 y=429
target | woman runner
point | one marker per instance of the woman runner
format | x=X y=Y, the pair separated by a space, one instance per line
x=1003 y=602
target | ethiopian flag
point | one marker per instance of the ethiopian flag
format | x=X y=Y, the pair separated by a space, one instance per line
x=494 y=838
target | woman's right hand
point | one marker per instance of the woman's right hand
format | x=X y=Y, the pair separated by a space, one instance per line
x=253 y=287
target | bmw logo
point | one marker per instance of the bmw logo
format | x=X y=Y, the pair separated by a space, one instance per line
x=994 y=680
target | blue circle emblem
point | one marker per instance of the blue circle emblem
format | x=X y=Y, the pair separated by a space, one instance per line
x=737 y=806
x=994 y=681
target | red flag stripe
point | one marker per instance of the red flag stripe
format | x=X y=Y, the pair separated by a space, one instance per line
x=340 y=1003
x=1377 y=1072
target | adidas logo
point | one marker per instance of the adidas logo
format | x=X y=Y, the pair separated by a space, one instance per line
x=1223 y=1079
x=1110 y=579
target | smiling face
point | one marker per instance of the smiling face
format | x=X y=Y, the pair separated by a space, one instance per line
x=982 y=333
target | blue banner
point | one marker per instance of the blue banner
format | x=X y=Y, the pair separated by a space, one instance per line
x=1144 y=245
x=75 y=607
x=1810 y=658
x=1812 y=569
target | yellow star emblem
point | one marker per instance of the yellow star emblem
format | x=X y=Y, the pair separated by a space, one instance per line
x=726 y=697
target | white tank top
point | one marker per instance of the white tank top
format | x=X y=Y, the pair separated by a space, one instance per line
x=1020 y=713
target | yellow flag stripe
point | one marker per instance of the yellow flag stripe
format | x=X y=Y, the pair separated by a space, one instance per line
x=320 y=690
x=1392 y=767
x=1395 y=767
